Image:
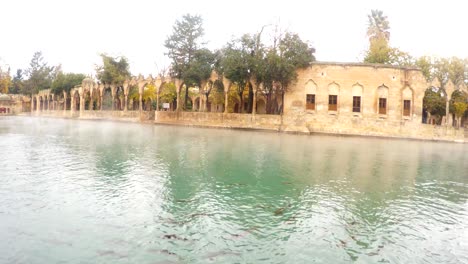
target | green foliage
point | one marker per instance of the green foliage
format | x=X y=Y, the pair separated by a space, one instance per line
x=40 y=75
x=440 y=70
x=458 y=101
x=216 y=96
x=274 y=66
x=168 y=93
x=458 y=70
x=401 y=58
x=17 y=83
x=66 y=81
x=184 y=42
x=459 y=108
x=379 y=51
x=241 y=58
x=149 y=92
x=113 y=70
x=199 y=68
x=425 y=64
x=444 y=69
x=190 y=61
x=5 y=80
x=434 y=102
x=133 y=93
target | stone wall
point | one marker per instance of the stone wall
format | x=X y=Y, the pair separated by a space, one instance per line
x=131 y=116
x=329 y=125
x=231 y=120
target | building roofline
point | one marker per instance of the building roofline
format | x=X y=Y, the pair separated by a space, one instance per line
x=361 y=64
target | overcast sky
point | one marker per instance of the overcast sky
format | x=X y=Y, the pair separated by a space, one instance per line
x=74 y=32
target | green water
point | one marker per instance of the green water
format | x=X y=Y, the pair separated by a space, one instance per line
x=100 y=192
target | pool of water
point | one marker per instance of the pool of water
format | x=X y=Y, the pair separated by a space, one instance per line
x=101 y=192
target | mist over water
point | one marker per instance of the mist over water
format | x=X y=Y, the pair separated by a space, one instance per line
x=101 y=192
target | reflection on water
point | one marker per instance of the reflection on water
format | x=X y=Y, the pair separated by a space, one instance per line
x=101 y=192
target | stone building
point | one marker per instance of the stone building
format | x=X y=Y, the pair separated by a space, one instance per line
x=14 y=104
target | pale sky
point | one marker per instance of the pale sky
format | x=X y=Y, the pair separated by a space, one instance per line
x=74 y=32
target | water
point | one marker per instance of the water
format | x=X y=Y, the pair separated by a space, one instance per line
x=100 y=192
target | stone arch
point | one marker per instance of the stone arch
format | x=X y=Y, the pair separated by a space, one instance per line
x=407 y=99
x=356 y=93
x=310 y=95
x=333 y=88
x=333 y=96
x=382 y=100
x=310 y=87
x=357 y=89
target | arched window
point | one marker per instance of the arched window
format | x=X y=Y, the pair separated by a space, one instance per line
x=333 y=91
x=357 y=95
x=407 y=97
x=311 y=90
x=382 y=95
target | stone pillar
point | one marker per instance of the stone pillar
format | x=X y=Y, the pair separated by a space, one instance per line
x=113 y=94
x=82 y=103
x=157 y=99
x=254 y=103
x=141 y=101
x=64 y=101
x=227 y=86
x=101 y=98
x=72 y=103
x=447 y=112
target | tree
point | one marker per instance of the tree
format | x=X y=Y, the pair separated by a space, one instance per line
x=242 y=59
x=17 y=84
x=280 y=67
x=114 y=71
x=5 y=80
x=66 y=81
x=379 y=51
x=39 y=75
x=434 y=102
x=457 y=70
x=401 y=58
x=378 y=26
x=440 y=70
x=425 y=64
x=458 y=105
x=168 y=93
x=190 y=62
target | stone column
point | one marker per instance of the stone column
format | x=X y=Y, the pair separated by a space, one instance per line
x=140 y=101
x=254 y=103
x=72 y=103
x=157 y=99
x=64 y=101
x=227 y=86
x=82 y=103
x=113 y=94
x=447 y=112
x=101 y=98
